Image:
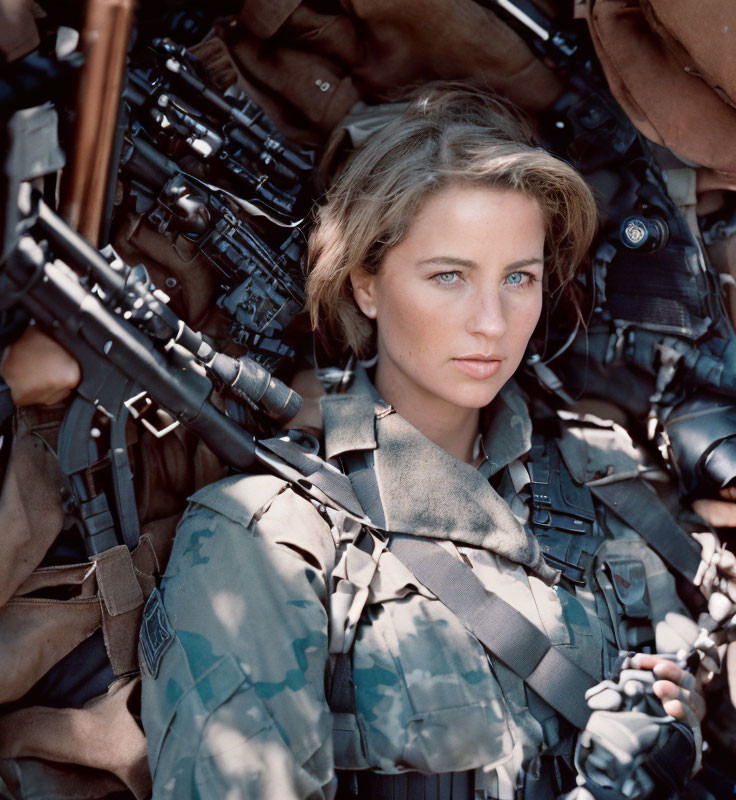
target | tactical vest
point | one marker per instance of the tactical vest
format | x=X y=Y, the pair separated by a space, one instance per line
x=567 y=521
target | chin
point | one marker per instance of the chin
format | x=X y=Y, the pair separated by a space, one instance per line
x=475 y=396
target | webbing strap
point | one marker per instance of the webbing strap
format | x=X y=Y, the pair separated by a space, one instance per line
x=317 y=472
x=641 y=509
x=501 y=629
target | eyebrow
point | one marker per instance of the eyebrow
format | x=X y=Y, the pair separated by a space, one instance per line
x=464 y=262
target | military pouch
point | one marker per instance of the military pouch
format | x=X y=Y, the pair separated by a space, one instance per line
x=563 y=515
x=623 y=582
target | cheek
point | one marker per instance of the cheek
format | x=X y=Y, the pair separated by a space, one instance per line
x=523 y=316
x=409 y=324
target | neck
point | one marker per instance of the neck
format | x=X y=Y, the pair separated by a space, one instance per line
x=453 y=428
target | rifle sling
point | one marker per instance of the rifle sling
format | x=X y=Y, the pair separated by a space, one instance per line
x=640 y=508
x=499 y=627
x=317 y=472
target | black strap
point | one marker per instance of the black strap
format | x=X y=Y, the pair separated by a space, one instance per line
x=369 y=785
x=340 y=689
x=640 y=508
x=501 y=629
x=671 y=763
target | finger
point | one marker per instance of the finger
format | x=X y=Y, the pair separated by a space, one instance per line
x=727 y=561
x=728 y=493
x=682 y=713
x=668 y=670
x=653 y=660
x=645 y=660
x=718 y=513
x=680 y=699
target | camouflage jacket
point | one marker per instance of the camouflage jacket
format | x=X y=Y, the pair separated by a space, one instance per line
x=265 y=586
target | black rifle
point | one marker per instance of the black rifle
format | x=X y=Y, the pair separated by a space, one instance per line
x=257 y=264
x=184 y=114
x=137 y=358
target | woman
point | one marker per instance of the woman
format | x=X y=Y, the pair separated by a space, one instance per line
x=437 y=251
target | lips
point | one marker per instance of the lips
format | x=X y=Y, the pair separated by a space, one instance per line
x=479 y=367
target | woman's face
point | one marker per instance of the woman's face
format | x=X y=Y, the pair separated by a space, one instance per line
x=457 y=300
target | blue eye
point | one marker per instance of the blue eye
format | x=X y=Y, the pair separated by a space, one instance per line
x=515 y=278
x=445 y=278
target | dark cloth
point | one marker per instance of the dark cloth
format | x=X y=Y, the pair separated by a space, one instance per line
x=307 y=67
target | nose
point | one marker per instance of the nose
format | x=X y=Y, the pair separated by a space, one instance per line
x=487 y=314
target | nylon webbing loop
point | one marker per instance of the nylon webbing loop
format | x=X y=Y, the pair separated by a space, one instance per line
x=501 y=629
x=641 y=509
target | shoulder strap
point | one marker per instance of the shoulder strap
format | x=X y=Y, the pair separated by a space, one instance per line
x=311 y=470
x=498 y=626
x=640 y=508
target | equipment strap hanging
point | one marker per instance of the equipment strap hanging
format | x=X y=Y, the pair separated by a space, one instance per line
x=641 y=509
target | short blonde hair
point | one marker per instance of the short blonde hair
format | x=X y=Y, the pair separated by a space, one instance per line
x=448 y=134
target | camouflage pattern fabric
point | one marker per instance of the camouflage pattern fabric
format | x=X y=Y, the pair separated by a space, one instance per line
x=264 y=584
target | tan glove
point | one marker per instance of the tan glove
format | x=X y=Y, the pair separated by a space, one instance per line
x=716 y=578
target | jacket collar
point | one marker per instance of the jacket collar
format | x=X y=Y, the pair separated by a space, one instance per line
x=423 y=489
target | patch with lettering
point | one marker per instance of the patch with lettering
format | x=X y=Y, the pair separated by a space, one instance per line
x=156 y=632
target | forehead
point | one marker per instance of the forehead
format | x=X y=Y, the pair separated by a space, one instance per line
x=476 y=222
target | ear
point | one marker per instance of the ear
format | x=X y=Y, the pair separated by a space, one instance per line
x=364 y=292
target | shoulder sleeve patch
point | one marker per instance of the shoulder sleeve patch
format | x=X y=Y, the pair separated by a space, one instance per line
x=156 y=632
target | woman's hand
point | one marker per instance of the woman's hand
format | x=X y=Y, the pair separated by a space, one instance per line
x=718 y=513
x=38 y=370
x=677 y=689
x=626 y=732
x=716 y=577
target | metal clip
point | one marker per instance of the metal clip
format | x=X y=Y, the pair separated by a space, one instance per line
x=141 y=406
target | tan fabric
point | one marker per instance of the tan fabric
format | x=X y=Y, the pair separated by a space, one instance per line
x=30 y=508
x=36 y=633
x=700 y=34
x=103 y=735
x=121 y=602
x=18 y=31
x=307 y=67
x=46 y=780
x=194 y=292
x=658 y=81
x=723 y=257
x=264 y=17
x=117 y=581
